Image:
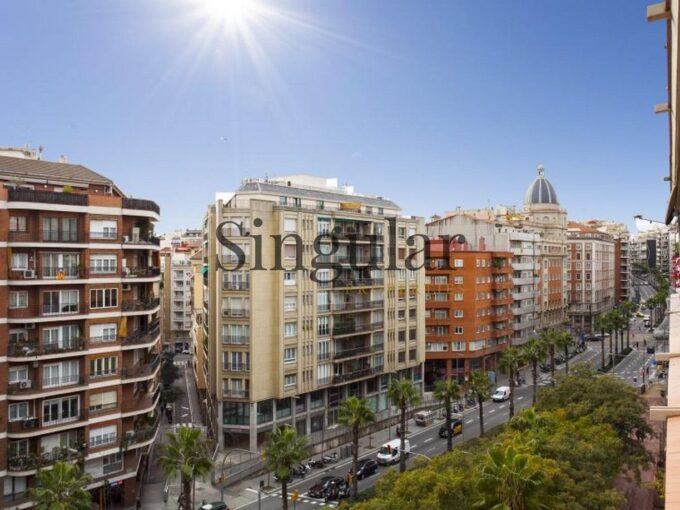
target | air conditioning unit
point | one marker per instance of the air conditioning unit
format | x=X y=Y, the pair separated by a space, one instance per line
x=25 y=385
x=29 y=325
x=126 y=239
x=127 y=286
x=29 y=274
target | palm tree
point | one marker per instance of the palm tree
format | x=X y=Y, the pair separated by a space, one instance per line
x=355 y=414
x=601 y=324
x=627 y=308
x=550 y=339
x=62 y=488
x=564 y=340
x=534 y=352
x=446 y=391
x=609 y=322
x=186 y=454
x=284 y=451
x=509 y=362
x=509 y=479
x=403 y=394
x=479 y=386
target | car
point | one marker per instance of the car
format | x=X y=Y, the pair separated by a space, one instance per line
x=456 y=428
x=216 y=505
x=501 y=394
x=365 y=467
x=329 y=487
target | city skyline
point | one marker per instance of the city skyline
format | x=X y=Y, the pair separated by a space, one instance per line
x=169 y=116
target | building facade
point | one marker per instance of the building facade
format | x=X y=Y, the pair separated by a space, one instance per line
x=80 y=335
x=176 y=297
x=622 y=266
x=284 y=348
x=468 y=316
x=591 y=275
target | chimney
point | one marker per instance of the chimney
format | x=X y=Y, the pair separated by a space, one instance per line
x=62 y=159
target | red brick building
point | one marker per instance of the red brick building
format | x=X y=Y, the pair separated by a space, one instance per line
x=468 y=314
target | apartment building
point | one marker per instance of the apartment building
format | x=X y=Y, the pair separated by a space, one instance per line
x=468 y=316
x=622 y=267
x=176 y=297
x=653 y=248
x=284 y=348
x=591 y=275
x=199 y=346
x=80 y=335
x=486 y=229
x=188 y=238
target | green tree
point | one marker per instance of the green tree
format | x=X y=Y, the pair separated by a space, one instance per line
x=403 y=394
x=534 y=352
x=509 y=363
x=609 y=321
x=186 y=454
x=550 y=339
x=169 y=372
x=479 y=386
x=627 y=310
x=564 y=341
x=355 y=414
x=64 y=487
x=446 y=391
x=283 y=452
x=170 y=394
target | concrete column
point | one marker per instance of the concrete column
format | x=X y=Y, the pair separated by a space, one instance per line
x=253 y=427
x=220 y=425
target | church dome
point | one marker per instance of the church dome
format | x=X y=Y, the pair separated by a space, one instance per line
x=541 y=191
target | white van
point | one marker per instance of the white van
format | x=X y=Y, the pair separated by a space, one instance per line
x=502 y=394
x=389 y=452
x=424 y=418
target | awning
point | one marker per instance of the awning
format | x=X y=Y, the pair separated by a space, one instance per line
x=673 y=205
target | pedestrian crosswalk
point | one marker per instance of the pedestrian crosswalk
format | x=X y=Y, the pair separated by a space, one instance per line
x=311 y=501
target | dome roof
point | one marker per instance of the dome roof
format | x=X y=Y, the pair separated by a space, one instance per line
x=541 y=191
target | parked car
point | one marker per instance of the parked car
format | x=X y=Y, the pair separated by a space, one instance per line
x=501 y=394
x=365 y=467
x=456 y=428
x=329 y=487
x=216 y=505
x=389 y=452
x=424 y=418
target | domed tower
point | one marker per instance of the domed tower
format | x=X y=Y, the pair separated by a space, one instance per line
x=543 y=214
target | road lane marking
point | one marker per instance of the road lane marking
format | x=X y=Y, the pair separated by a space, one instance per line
x=520 y=397
x=492 y=411
x=428 y=439
x=469 y=421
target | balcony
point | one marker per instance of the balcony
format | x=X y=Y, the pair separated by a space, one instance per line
x=236 y=393
x=356 y=352
x=355 y=374
x=60 y=236
x=358 y=259
x=236 y=367
x=236 y=339
x=34 y=461
x=518 y=296
x=141 y=435
x=141 y=404
x=141 y=272
x=106 y=235
x=150 y=240
x=49 y=384
x=350 y=328
x=136 y=305
x=141 y=369
x=356 y=282
x=236 y=313
x=141 y=204
x=363 y=305
x=227 y=285
x=46 y=197
x=30 y=349
x=142 y=337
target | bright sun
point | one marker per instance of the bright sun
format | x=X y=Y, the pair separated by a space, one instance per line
x=232 y=11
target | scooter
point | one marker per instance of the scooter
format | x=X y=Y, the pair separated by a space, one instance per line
x=315 y=463
x=330 y=459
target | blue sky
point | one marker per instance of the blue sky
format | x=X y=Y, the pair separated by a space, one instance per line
x=434 y=104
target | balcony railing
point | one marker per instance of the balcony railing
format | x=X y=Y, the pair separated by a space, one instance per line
x=152 y=240
x=142 y=337
x=348 y=306
x=141 y=369
x=107 y=234
x=355 y=351
x=31 y=462
x=349 y=328
x=48 y=197
x=59 y=309
x=236 y=339
x=227 y=285
x=355 y=374
x=51 y=383
x=132 y=305
x=67 y=236
x=236 y=312
x=236 y=367
x=357 y=282
x=236 y=393
x=140 y=403
x=141 y=272
x=142 y=204
x=28 y=349
x=141 y=435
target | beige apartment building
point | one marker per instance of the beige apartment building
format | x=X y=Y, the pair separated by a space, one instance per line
x=176 y=297
x=79 y=331
x=591 y=275
x=285 y=349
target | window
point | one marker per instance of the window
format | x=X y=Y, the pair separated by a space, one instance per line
x=289 y=381
x=289 y=251
x=18 y=411
x=20 y=261
x=290 y=225
x=112 y=463
x=101 y=367
x=290 y=329
x=289 y=277
x=236 y=413
x=104 y=400
x=18 y=299
x=457 y=262
x=60 y=265
x=323 y=226
x=458 y=314
x=103 y=332
x=458 y=330
x=18 y=374
x=458 y=279
x=103 y=298
x=283 y=200
x=61 y=337
x=61 y=410
x=401 y=231
x=319 y=204
x=103 y=435
x=458 y=296
x=289 y=354
x=103 y=263
x=289 y=303
x=61 y=374
x=17 y=223
x=103 y=229
x=60 y=229
x=18 y=448
x=60 y=302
